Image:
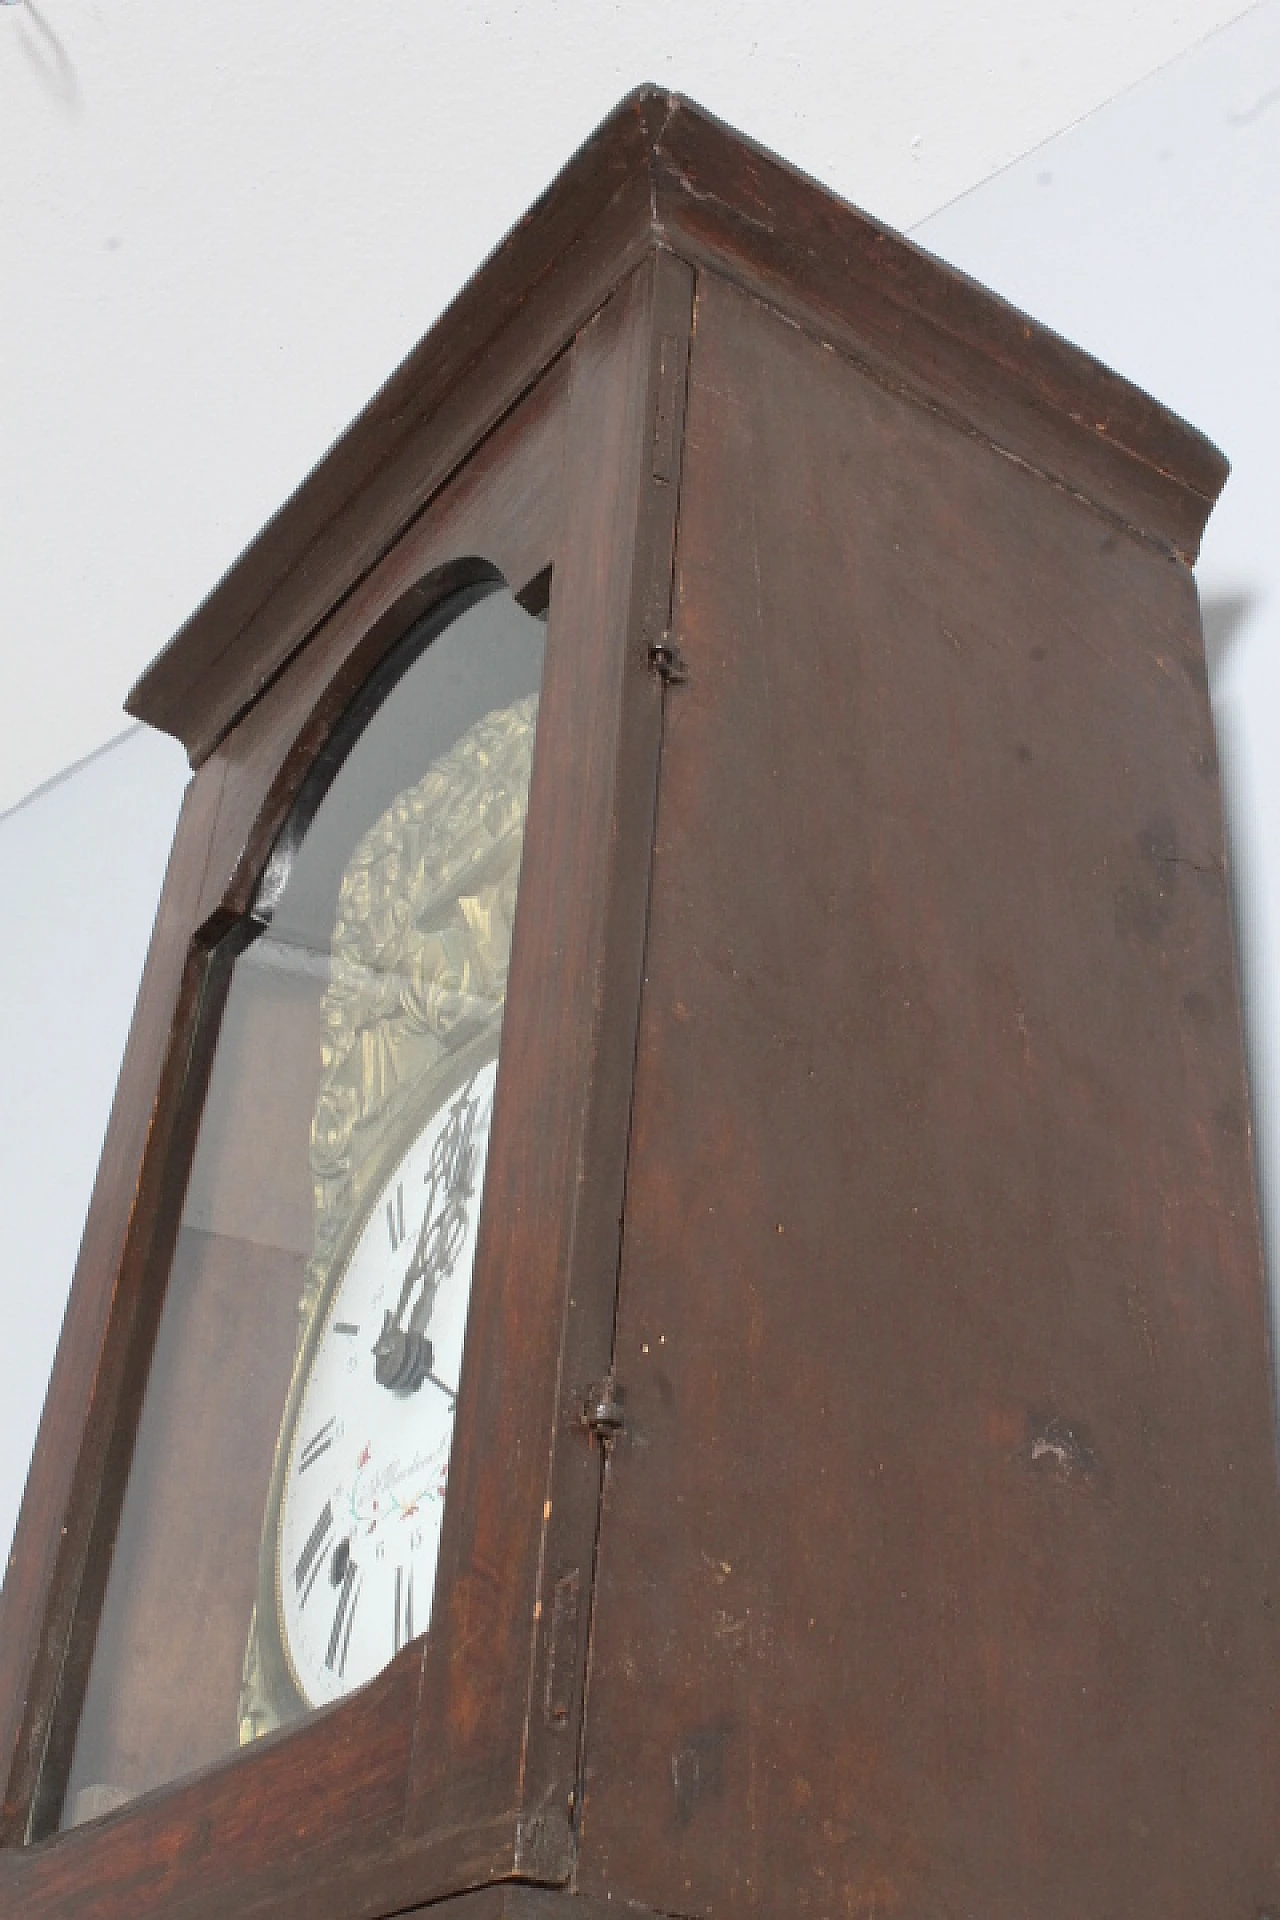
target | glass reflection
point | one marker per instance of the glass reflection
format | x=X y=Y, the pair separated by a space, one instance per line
x=278 y=1539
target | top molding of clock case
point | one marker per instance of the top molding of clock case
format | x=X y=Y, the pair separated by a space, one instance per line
x=661 y=172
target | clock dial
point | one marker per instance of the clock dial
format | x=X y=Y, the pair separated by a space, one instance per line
x=366 y=1458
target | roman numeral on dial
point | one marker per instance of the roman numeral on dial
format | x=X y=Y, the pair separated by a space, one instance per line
x=343 y=1619
x=404 y=1607
x=320 y=1442
x=309 y=1560
x=395 y=1217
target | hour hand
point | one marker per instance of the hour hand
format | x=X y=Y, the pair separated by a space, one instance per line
x=402 y=1353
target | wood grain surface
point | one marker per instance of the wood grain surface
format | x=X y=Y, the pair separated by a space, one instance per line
x=939 y=1561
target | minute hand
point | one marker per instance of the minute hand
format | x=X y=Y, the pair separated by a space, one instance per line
x=403 y=1353
x=426 y=1265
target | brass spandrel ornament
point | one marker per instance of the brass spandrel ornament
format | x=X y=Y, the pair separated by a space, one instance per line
x=421 y=945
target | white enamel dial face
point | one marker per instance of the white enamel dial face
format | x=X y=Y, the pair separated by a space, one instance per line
x=364 y=1488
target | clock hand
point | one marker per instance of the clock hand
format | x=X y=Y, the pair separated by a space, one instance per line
x=402 y=1353
x=447 y=1391
x=340 y=1562
x=419 y=1263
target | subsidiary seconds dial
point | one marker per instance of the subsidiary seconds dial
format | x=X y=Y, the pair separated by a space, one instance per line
x=367 y=1462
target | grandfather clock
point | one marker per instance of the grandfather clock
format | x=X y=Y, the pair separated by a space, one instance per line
x=672 y=1316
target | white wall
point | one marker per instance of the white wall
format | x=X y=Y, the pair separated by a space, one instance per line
x=222 y=233
x=1150 y=234
x=80 y=872
x=221 y=226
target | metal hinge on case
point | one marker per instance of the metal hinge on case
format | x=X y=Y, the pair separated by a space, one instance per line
x=602 y=1411
x=667 y=661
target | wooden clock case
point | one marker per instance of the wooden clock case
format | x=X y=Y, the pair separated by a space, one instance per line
x=872 y=1134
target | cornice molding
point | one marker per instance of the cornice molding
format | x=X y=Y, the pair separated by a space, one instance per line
x=662 y=173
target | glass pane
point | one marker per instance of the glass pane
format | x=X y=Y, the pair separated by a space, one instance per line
x=278 y=1540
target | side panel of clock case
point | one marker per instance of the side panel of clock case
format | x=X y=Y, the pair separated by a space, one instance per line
x=939 y=1568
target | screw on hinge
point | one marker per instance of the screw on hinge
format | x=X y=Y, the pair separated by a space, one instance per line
x=667 y=661
x=602 y=1411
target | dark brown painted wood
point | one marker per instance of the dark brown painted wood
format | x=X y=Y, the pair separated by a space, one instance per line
x=505 y=505
x=560 y=1136
x=327 y=1800
x=502 y=513
x=442 y=1734
x=723 y=201
x=555 y=269
x=659 y=171
x=88 y=1383
x=940 y=1557
x=511 y=1901
x=617 y=594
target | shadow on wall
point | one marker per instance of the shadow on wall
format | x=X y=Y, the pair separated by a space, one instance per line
x=1225 y=617
x=46 y=56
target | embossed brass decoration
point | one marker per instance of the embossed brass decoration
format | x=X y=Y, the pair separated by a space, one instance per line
x=418 y=975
